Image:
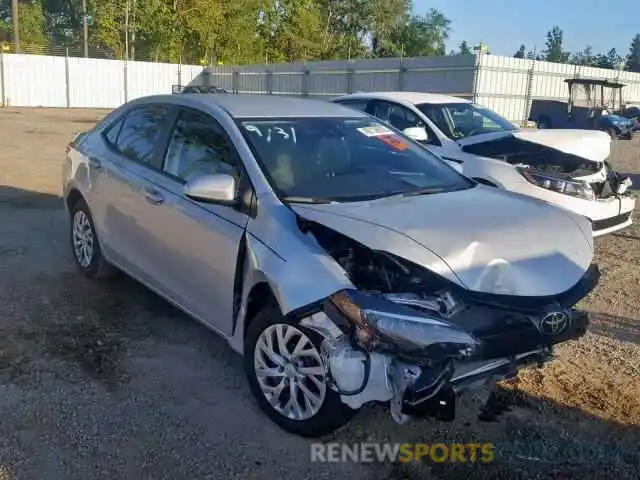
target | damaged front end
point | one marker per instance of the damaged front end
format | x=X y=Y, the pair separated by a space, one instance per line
x=556 y=170
x=409 y=337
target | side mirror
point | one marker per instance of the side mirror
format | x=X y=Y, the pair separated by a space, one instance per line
x=216 y=188
x=419 y=134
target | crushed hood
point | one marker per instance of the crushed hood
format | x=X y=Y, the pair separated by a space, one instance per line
x=483 y=239
x=592 y=145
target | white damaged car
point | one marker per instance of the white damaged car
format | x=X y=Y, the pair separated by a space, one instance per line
x=343 y=261
x=568 y=168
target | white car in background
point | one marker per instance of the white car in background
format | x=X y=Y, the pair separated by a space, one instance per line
x=567 y=168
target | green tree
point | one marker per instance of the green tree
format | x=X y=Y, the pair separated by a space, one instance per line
x=611 y=60
x=290 y=30
x=464 y=48
x=32 y=26
x=424 y=35
x=388 y=15
x=521 y=52
x=584 y=57
x=553 y=47
x=633 y=58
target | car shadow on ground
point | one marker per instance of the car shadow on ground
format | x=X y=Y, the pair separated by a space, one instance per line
x=98 y=327
x=530 y=434
x=12 y=197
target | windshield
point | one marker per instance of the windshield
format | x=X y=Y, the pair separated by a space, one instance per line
x=461 y=120
x=344 y=159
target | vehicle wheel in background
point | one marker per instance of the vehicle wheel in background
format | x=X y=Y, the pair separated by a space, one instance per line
x=543 y=123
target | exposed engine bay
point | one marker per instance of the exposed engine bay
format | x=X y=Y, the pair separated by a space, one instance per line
x=542 y=158
x=432 y=341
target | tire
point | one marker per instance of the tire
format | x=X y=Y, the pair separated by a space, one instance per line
x=612 y=133
x=91 y=263
x=543 y=123
x=330 y=413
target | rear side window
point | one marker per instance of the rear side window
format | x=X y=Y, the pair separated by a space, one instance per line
x=137 y=133
x=112 y=132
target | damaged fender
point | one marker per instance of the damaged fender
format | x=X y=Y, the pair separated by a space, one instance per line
x=294 y=282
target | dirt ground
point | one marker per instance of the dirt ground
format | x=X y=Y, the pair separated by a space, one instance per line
x=105 y=380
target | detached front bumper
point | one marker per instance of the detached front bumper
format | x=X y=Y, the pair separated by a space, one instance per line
x=424 y=389
x=620 y=215
x=426 y=397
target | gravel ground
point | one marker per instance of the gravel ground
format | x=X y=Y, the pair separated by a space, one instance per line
x=106 y=380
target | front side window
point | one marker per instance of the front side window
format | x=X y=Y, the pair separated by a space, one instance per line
x=198 y=147
x=344 y=159
x=139 y=133
x=461 y=120
x=398 y=116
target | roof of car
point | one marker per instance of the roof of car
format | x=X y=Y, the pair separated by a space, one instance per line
x=263 y=106
x=408 y=97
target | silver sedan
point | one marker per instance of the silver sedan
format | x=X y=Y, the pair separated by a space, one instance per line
x=345 y=263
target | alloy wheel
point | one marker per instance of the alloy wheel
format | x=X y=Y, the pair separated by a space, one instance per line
x=290 y=371
x=83 y=239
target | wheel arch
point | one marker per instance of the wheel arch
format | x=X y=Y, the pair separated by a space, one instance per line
x=72 y=198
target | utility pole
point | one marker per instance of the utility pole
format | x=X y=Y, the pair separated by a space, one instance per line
x=85 y=28
x=16 y=27
x=126 y=32
x=133 y=33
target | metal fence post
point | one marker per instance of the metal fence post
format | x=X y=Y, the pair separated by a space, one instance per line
x=67 y=87
x=235 y=81
x=401 y=73
x=2 y=85
x=126 y=81
x=305 y=82
x=269 y=81
x=476 y=77
x=528 y=98
x=349 y=78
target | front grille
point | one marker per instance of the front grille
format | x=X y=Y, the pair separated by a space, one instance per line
x=597 y=225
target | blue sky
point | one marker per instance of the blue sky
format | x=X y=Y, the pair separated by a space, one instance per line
x=503 y=25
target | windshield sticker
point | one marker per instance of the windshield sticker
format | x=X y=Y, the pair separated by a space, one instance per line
x=394 y=140
x=374 y=130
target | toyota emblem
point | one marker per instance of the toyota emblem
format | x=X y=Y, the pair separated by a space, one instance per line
x=554 y=323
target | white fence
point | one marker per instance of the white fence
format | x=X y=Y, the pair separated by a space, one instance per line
x=43 y=81
x=507 y=85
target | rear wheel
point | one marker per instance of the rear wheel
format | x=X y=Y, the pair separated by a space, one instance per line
x=286 y=374
x=613 y=133
x=85 y=245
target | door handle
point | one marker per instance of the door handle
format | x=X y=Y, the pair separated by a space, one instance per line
x=153 y=196
x=95 y=163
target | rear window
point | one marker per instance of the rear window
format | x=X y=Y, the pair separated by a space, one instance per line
x=136 y=134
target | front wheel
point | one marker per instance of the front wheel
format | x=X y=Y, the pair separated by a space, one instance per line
x=286 y=374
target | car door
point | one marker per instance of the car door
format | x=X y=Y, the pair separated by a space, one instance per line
x=197 y=243
x=130 y=148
